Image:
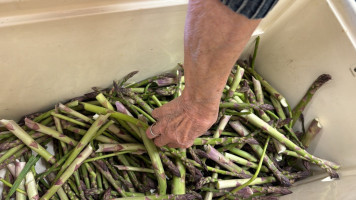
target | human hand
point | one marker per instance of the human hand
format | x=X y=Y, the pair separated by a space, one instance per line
x=180 y=121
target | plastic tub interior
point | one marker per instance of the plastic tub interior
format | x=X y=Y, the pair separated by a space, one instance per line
x=53 y=50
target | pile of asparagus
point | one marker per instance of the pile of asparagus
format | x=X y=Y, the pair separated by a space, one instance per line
x=101 y=151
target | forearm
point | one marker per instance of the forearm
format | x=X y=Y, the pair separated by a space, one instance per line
x=214 y=38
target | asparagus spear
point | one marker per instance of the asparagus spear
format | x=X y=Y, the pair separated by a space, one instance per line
x=313 y=130
x=28 y=140
x=320 y=81
x=153 y=152
x=68 y=172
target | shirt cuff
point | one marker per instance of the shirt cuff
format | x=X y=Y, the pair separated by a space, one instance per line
x=252 y=9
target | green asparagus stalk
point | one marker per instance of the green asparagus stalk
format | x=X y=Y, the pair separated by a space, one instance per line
x=238 y=76
x=99 y=138
x=161 y=197
x=8 y=184
x=234 y=191
x=101 y=166
x=244 y=162
x=68 y=172
x=83 y=142
x=243 y=154
x=138 y=148
x=216 y=156
x=268 y=87
x=170 y=165
x=74 y=121
x=115 y=115
x=153 y=152
x=320 y=81
x=28 y=140
x=253 y=61
x=53 y=133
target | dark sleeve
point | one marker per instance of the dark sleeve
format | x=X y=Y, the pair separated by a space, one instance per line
x=252 y=9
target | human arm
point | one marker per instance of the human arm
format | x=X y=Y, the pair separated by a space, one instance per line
x=214 y=38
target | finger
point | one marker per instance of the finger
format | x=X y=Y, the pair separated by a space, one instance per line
x=161 y=140
x=150 y=133
x=156 y=129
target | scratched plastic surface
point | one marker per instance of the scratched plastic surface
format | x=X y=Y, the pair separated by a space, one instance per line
x=51 y=51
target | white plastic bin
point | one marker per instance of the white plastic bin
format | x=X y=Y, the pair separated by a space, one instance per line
x=51 y=51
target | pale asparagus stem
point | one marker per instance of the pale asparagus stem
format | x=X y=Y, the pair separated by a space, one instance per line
x=79 y=131
x=239 y=128
x=19 y=166
x=258 y=90
x=225 y=140
x=244 y=162
x=299 y=108
x=68 y=172
x=313 y=129
x=139 y=148
x=135 y=169
x=243 y=154
x=279 y=146
x=224 y=120
x=153 y=153
x=83 y=142
x=48 y=131
x=104 y=102
x=268 y=87
x=28 y=140
x=216 y=156
x=103 y=168
x=278 y=108
x=31 y=187
x=238 y=76
x=222 y=184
